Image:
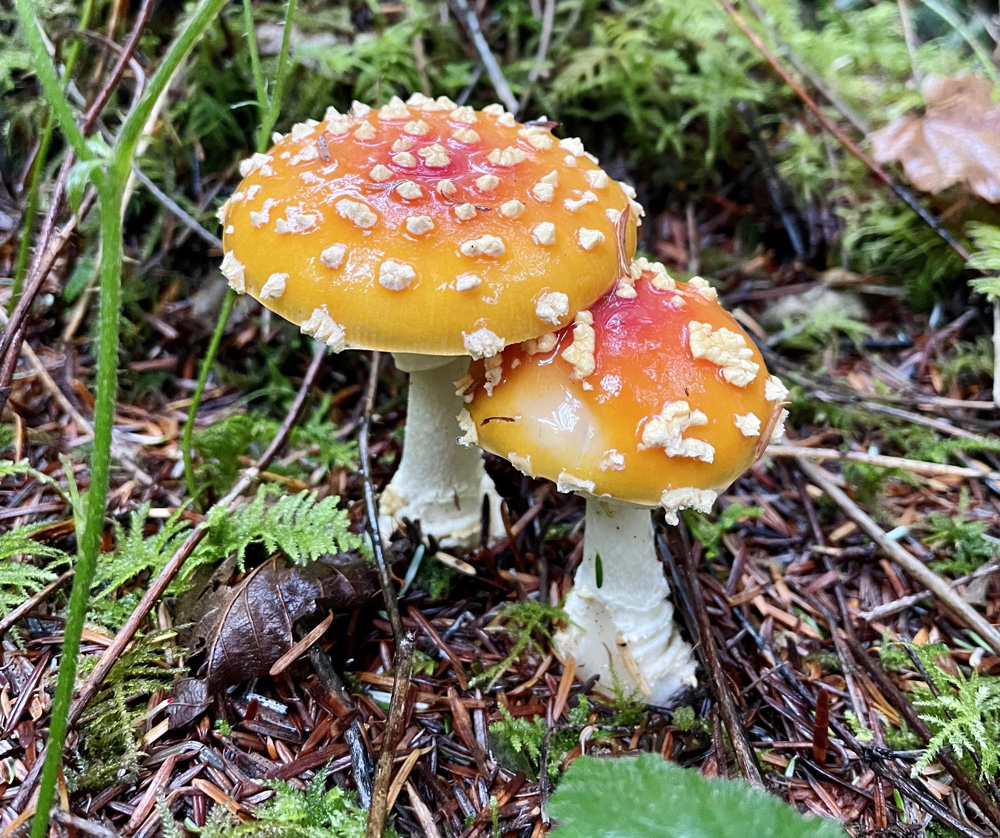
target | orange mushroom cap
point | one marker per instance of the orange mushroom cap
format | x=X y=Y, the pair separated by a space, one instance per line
x=654 y=396
x=425 y=227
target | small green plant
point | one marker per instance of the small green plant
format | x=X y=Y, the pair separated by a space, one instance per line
x=861 y=731
x=223 y=445
x=517 y=741
x=627 y=708
x=962 y=711
x=969 y=363
x=960 y=543
x=667 y=801
x=709 y=533
x=819 y=328
x=291 y=813
x=868 y=481
x=435 y=577
x=526 y=618
x=685 y=719
x=313 y=813
x=21 y=579
x=109 y=750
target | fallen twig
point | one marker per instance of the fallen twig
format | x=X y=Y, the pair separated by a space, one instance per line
x=880 y=612
x=961 y=610
x=915 y=466
x=403 y=665
x=493 y=70
x=371 y=506
x=705 y=643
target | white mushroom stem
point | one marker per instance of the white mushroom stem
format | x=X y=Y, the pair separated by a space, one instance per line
x=624 y=624
x=439 y=482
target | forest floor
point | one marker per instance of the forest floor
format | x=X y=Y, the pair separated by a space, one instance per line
x=827 y=668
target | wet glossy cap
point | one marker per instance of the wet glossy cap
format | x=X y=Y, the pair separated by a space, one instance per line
x=425 y=227
x=654 y=396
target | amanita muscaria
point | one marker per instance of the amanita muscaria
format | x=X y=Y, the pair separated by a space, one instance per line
x=435 y=232
x=653 y=397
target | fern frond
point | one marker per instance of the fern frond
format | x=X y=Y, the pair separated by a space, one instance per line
x=223 y=444
x=10 y=468
x=20 y=580
x=963 y=713
x=301 y=526
x=110 y=748
x=135 y=556
x=986 y=238
x=965 y=717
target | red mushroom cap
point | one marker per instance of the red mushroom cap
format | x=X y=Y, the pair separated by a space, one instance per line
x=654 y=396
x=425 y=227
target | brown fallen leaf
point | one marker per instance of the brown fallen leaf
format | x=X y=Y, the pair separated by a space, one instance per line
x=955 y=142
x=246 y=627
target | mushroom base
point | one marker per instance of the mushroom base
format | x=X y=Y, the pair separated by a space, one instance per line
x=624 y=627
x=439 y=482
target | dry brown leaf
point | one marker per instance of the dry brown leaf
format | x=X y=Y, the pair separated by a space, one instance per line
x=245 y=628
x=956 y=141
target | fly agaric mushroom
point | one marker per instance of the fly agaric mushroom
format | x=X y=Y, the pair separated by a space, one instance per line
x=653 y=397
x=431 y=231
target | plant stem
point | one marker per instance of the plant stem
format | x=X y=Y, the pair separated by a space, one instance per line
x=206 y=366
x=34 y=186
x=269 y=115
x=111 y=187
x=110 y=194
x=258 y=75
x=45 y=69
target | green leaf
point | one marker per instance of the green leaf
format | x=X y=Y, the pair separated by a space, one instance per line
x=667 y=801
x=80 y=177
x=986 y=238
x=82 y=173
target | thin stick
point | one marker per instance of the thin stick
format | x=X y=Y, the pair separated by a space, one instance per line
x=917 y=570
x=916 y=466
x=393 y=727
x=125 y=56
x=173 y=566
x=371 y=507
x=544 y=40
x=996 y=352
x=880 y=612
x=745 y=757
x=32 y=602
x=493 y=70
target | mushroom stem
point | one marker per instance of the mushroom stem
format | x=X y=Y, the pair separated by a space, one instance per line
x=621 y=624
x=439 y=482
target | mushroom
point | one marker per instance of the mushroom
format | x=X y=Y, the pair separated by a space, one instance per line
x=435 y=232
x=653 y=397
